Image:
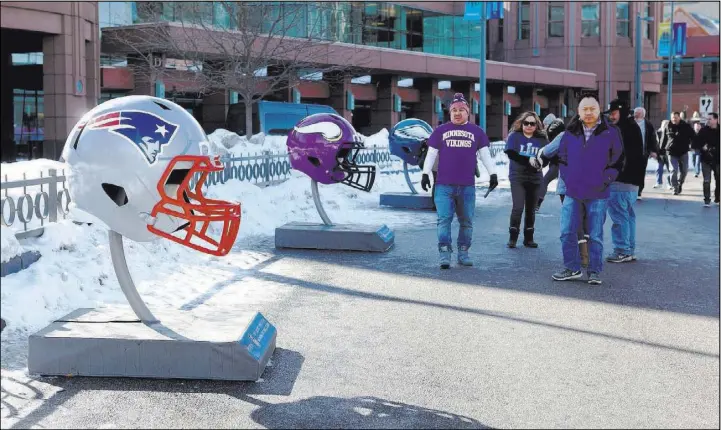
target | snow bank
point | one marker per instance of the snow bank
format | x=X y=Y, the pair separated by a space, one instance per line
x=9 y=245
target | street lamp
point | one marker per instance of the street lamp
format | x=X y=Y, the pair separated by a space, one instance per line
x=639 y=55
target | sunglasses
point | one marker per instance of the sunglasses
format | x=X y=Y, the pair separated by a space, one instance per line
x=529 y=123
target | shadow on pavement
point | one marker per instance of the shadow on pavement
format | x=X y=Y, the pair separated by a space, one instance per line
x=358 y=412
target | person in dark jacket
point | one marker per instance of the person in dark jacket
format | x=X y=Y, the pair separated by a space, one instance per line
x=662 y=160
x=525 y=174
x=590 y=156
x=650 y=141
x=554 y=127
x=676 y=141
x=624 y=190
x=708 y=143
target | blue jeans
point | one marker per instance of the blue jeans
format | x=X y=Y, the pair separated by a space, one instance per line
x=623 y=230
x=571 y=219
x=696 y=161
x=460 y=199
x=662 y=161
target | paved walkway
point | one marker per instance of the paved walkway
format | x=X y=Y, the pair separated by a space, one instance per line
x=379 y=341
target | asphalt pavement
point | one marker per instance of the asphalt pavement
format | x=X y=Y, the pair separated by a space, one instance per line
x=391 y=341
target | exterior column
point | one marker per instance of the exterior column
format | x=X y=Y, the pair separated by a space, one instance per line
x=526 y=94
x=497 y=121
x=70 y=89
x=426 y=109
x=8 y=151
x=382 y=115
x=339 y=85
x=215 y=110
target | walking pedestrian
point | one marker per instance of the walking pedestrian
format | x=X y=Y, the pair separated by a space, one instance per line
x=696 y=154
x=554 y=127
x=456 y=144
x=591 y=157
x=650 y=142
x=624 y=190
x=662 y=159
x=708 y=139
x=525 y=175
x=677 y=141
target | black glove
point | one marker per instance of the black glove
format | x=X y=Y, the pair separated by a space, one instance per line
x=425 y=182
x=494 y=181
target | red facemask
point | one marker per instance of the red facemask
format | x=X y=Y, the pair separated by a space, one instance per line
x=195 y=208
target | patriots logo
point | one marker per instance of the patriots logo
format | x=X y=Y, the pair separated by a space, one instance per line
x=148 y=132
x=415 y=132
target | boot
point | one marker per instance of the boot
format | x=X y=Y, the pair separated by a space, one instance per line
x=514 y=237
x=528 y=238
x=463 y=258
x=707 y=192
x=583 y=248
x=445 y=256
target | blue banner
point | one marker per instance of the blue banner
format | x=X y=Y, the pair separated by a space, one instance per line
x=494 y=10
x=679 y=39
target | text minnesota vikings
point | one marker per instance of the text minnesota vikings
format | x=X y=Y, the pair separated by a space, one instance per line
x=458 y=143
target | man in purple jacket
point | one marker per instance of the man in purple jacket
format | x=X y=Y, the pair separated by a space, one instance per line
x=590 y=157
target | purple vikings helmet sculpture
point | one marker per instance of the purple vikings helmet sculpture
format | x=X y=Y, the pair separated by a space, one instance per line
x=324 y=146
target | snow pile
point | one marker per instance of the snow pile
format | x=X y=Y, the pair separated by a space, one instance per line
x=76 y=271
x=9 y=245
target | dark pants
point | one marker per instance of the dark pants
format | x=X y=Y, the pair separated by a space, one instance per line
x=524 y=194
x=706 y=169
x=550 y=175
x=433 y=189
x=640 y=187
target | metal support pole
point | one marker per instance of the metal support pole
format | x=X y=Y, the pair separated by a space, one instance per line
x=639 y=54
x=671 y=48
x=408 y=178
x=318 y=203
x=117 y=255
x=482 y=75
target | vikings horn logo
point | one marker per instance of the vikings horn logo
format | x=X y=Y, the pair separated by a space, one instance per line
x=329 y=130
x=148 y=132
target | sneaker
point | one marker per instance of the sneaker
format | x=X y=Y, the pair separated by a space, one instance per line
x=619 y=258
x=463 y=258
x=445 y=257
x=594 y=279
x=707 y=204
x=639 y=198
x=567 y=275
x=633 y=258
x=658 y=185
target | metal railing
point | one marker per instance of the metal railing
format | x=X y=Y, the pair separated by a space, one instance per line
x=35 y=208
x=52 y=199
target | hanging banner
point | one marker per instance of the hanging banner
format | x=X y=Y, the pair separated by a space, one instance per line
x=663 y=42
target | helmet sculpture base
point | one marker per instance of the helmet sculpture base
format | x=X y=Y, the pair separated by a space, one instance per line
x=408 y=141
x=113 y=341
x=411 y=200
x=333 y=237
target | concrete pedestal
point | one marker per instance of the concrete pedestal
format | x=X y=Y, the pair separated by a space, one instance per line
x=407 y=201
x=113 y=342
x=341 y=237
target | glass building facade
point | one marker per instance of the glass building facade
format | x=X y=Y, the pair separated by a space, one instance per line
x=380 y=24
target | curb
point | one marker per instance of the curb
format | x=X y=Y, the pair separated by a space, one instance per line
x=18 y=263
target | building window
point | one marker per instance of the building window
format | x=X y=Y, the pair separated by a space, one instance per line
x=682 y=74
x=589 y=20
x=622 y=22
x=500 y=30
x=647 y=29
x=710 y=73
x=524 y=20
x=555 y=19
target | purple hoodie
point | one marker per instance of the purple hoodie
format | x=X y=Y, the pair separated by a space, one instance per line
x=589 y=167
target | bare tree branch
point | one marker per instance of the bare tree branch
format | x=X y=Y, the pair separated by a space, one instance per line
x=253 y=48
